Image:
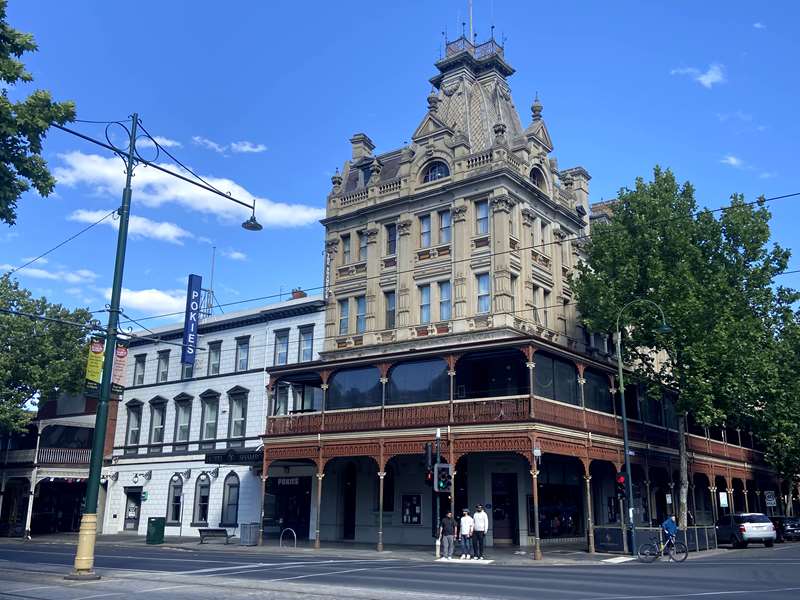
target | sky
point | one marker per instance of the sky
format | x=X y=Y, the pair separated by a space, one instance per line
x=261 y=99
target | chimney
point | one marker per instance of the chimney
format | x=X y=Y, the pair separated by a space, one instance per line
x=362 y=146
x=298 y=293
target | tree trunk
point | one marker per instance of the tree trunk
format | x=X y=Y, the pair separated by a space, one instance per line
x=684 y=471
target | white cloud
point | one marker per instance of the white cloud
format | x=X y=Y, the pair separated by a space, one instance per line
x=153 y=189
x=759 y=25
x=41 y=261
x=247 y=147
x=732 y=161
x=151 y=301
x=234 y=254
x=146 y=142
x=137 y=226
x=209 y=144
x=67 y=276
x=767 y=175
x=713 y=75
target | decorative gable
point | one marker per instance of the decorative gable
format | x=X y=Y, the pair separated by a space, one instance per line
x=431 y=125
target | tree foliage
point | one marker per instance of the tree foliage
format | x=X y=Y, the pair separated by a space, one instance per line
x=714 y=275
x=23 y=123
x=38 y=359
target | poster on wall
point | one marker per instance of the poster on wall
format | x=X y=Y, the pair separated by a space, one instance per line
x=412 y=509
x=723 y=499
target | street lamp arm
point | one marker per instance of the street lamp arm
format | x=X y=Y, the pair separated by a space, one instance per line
x=645 y=300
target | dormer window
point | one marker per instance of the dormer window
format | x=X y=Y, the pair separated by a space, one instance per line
x=436 y=170
x=537 y=177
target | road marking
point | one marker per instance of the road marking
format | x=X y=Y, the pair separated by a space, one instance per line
x=696 y=594
x=319 y=574
x=618 y=559
x=161 y=589
x=456 y=561
x=247 y=568
x=228 y=568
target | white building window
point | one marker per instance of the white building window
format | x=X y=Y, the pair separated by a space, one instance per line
x=183 y=419
x=238 y=419
x=305 y=351
x=158 y=412
x=214 y=356
x=445 y=227
x=424 y=231
x=208 y=420
x=162 y=371
x=202 y=494
x=134 y=427
x=230 y=501
x=242 y=353
x=391 y=239
x=281 y=347
x=175 y=500
x=389 y=299
x=140 y=360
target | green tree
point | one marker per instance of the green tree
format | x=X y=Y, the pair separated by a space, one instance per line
x=713 y=276
x=38 y=359
x=23 y=123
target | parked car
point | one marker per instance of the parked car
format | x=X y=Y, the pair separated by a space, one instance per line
x=740 y=529
x=786 y=528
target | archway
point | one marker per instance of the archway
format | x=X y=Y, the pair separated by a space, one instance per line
x=703 y=511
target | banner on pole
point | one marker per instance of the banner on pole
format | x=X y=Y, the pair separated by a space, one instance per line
x=94 y=366
x=118 y=372
x=191 y=320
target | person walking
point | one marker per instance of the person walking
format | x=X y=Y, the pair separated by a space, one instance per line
x=465 y=534
x=481 y=520
x=447 y=535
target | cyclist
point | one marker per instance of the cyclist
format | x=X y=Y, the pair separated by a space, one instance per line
x=670 y=529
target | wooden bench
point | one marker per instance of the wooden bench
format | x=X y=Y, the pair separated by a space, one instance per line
x=213 y=532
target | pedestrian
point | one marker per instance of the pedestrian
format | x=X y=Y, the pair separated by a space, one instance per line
x=481 y=520
x=447 y=533
x=465 y=534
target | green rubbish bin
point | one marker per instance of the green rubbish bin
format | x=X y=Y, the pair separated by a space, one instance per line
x=155 y=530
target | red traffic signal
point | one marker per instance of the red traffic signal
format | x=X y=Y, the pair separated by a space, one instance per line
x=621 y=480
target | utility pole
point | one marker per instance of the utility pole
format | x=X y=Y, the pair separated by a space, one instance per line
x=87 y=535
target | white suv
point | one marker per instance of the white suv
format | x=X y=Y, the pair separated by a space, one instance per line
x=740 y=529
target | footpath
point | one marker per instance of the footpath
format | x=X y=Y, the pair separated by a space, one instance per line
x=512 y=556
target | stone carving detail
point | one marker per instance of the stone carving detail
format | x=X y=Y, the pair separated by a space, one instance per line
x=499 y=134
x=372 y=235
x=459 y=213
x=331 y=246
x=528 y=216
x=433 y=102
x=503 y=203
x=404 y=227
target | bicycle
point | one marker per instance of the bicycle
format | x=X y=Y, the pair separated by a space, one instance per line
x=649 y=552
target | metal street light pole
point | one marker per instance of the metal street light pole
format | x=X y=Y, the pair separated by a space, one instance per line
x=625 y=443
x=84 y=556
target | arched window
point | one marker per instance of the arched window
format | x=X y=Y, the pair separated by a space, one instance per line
x=537 y=177
x=230 y=501
x=202 y=493
x=418 y=381
x=436 y=170
x=175 y=500
x=354 y=388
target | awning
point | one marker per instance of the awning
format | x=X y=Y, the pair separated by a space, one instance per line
x=236 y=456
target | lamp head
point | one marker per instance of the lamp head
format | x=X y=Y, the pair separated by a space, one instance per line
x=252 y=225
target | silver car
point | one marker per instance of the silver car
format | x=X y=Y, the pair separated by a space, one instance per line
x=740 y=529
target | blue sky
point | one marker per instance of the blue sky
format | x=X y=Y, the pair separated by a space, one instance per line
x=262 y=98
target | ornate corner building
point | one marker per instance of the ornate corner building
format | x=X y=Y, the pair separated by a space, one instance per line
x=448 y=305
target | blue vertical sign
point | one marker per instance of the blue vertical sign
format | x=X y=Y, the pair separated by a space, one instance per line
x=191 y=320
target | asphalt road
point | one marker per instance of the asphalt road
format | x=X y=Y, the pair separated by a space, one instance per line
x=36 y=571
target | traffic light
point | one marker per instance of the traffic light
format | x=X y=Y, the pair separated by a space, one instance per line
x=428 y=449
x=443 y=477
x=621 y=481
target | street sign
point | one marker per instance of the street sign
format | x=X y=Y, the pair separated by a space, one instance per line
x=723 y=499
x=769 y=498
x=669 y=498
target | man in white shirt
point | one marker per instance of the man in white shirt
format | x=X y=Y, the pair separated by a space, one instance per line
x=465 y=534
x=481 y=526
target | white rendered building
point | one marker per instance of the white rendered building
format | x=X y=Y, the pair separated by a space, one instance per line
x=187 y=441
